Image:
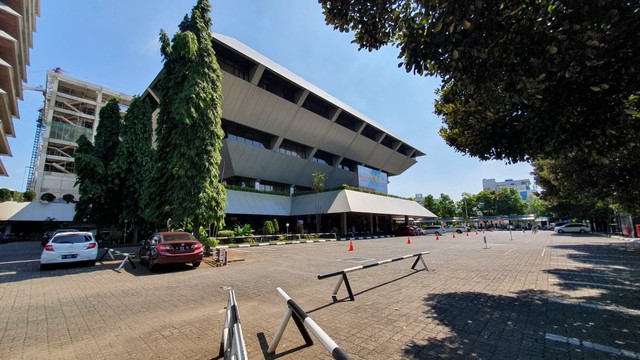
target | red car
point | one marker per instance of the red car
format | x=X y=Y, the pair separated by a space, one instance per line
x=171 y=248
x=404 y=231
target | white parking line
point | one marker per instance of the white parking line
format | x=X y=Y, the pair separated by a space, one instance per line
x=543 y=250
x=614 y=308
x=509 y=251
x=591 y=345
x=596 y=284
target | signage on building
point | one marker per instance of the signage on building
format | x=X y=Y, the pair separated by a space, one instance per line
x=372 y=179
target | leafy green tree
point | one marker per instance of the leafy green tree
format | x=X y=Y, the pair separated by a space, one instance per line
x=446 y=206
x=319 y=179
x=466 y=206
x=430 y=203
x=509 y=202
x=189 y=133
x=133 y=164
x=276 y=226
x=99 y=192
x=521 y=81
x=486 y=203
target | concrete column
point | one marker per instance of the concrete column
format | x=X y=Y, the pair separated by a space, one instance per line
x=343 y=223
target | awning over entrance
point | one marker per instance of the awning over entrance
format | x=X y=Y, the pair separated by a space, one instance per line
x=349 y=201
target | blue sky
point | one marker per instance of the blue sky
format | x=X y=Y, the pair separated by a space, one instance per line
x=115 y=44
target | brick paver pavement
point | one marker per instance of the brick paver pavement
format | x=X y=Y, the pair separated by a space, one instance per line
x=536 y=296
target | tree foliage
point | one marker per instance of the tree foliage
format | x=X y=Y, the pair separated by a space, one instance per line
x=189 y=133
x=99 y=201
x=521 y=81
x=133 y=163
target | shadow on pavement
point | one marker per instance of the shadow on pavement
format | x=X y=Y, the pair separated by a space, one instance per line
x=534 y=324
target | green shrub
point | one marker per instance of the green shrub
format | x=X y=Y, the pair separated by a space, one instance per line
x=267 y=228
x=209 y=242
x=68 y=198
x=29 y=195
x=244 y=230
x=225 y=233
x=276 y=227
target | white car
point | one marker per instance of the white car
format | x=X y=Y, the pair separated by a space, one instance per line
x=457 y=229
x=572 y=228
x=69 y=247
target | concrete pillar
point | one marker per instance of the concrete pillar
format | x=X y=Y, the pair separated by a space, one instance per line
x=343 y=223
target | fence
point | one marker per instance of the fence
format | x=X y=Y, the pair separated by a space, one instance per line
x=344 y=272
x=303 y=321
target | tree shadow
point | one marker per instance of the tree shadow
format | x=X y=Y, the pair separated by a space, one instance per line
x=595 y=314
x=526 y=325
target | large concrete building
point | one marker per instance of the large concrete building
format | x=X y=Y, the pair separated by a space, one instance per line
x=17 y=24
x=280 y=129
x=71 y=109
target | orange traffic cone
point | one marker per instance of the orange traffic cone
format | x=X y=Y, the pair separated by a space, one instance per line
x=454 y=235
x=408 y=240
x=467 y=234
x=437 y=237
x=350 y=245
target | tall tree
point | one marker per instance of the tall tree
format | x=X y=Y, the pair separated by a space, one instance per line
x=430 y=203
x=521 y=81
x=133 y=163
x=509 y=202
x=99 y=201
x=446 y=206
x=319 y=179
x=189 y=133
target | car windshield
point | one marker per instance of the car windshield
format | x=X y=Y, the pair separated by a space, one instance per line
x=71 y=238
x=178 y=237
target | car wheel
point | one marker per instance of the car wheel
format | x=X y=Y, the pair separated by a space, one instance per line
x=560 y=231
x=44 y=267
x=195 y=264
x=582 y=231
x=437 y=233
x=459 y=231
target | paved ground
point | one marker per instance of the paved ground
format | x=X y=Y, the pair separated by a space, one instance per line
x=536 y=296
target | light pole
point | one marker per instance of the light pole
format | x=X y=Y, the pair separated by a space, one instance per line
x=287 y=231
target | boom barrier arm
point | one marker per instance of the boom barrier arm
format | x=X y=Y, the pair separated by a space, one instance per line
x=345 y=280
x=303 y=321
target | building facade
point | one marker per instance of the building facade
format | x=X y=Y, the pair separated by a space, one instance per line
x=280 y=129
x=71 y=109
x=523 y=186
x=17 y=24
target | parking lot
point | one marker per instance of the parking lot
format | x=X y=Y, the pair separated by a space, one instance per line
x=526 y=296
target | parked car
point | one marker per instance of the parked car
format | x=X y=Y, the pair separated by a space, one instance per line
x=171 y=248
x=438 y=230
x=404 y=231
x=419 y=230
x=49 y=234
x=458 y=229
x=572 y=228
x=69 y=247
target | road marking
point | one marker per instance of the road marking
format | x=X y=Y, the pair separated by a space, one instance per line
x=598 y=306
x=591 y=345
x=18 y=262
x=509 y=251
x=596 y=284
x=543 y=250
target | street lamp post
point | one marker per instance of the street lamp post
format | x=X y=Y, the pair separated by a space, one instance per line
x=287 y=231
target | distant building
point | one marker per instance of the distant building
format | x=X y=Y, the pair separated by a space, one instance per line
x=17 y=24
x=523 y=186
x=71 y=109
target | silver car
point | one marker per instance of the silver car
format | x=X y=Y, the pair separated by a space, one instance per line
x=572 y=228
x=438 y=230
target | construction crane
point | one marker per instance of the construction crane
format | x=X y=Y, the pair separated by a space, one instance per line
x=40 y=126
